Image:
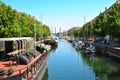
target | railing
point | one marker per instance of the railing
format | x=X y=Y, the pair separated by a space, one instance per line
x=107 y=50
x=26 y=72
x=113 y=52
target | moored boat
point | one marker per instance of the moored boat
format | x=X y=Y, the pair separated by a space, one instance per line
x=19 y=59
x=52 y=42
x=91 y=50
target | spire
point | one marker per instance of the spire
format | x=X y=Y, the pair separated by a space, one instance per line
x=60 y=29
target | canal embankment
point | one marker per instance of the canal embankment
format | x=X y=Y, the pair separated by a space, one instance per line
x=40 y=72
x=110 y=51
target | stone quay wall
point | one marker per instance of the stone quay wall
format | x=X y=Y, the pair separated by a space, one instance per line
x=108 y=50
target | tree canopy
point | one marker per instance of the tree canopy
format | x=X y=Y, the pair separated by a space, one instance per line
x=19 y=24
x=106 y=23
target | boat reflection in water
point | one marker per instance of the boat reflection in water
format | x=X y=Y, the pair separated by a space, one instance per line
x=45 y=77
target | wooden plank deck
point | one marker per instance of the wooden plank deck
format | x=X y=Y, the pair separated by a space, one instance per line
x=113 y=54
x=16 y=52
x=5 y=64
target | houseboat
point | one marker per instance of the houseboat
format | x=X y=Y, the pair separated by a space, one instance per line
x=19 y=59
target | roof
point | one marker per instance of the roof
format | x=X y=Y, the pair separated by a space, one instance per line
x=65 y=31
x=15 y=38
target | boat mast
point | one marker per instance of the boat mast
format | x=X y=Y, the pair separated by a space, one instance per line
x=42 y=25
x=35 y=36
x=55 y=30
x=83 y=25
x=19 y=20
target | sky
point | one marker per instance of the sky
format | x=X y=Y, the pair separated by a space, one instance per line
x=63 y=14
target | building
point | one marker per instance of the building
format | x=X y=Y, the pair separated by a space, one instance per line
x=30 y=16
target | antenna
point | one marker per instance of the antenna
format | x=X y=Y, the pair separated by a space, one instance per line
x=55 y=30
x=60 y=29
x=84 y=19
x=42 y=24
x=83 y=25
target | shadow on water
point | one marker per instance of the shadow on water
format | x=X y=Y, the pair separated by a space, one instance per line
x=53 y=49
x=45 y=77
x=104 y=68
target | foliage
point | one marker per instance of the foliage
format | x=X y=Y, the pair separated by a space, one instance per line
x=114 y=20
x=100 y=25
x=46 y=30
x=106 y=23
x=101 y=68
x=19 y=24
x=10 y=70
x=32 y=52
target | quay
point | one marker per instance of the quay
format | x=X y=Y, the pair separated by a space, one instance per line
x=107 y=50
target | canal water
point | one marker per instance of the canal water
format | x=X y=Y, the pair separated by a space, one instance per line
x=65 y=63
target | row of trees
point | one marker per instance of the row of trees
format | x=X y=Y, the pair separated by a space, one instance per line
x=18 y=24
x=106 y=23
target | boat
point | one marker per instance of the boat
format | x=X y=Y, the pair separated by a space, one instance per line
x=51 y=42
x=43 y=47
x=19 y=59
x=80 y=45
x=74 y=42
x=91 y=50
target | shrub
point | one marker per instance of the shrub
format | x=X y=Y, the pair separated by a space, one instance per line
x=10 y=71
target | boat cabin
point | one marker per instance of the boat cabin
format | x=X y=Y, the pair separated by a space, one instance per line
x=15 y=46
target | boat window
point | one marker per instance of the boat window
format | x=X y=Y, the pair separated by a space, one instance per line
x=2 y=45
x=29 y=45
x=15 y=45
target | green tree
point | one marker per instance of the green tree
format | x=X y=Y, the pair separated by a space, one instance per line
x=13 y=24
x=114 y=21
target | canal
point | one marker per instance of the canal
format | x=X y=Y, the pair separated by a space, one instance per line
x=65 y=63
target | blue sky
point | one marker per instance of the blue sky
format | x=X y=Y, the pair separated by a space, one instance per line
x=63 y=14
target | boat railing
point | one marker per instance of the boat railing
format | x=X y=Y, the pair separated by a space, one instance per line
x=16 y=52
x=26 y=72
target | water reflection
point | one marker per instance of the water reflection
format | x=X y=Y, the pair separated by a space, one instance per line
x=45 y=77
x=53 y=49
x=104 y=70
x=65 y=63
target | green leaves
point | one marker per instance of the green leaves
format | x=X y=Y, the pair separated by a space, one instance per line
x=113 y=20
x=15 y=24
x=106 y=23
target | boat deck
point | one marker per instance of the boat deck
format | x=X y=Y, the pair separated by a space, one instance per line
x=5 y=64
